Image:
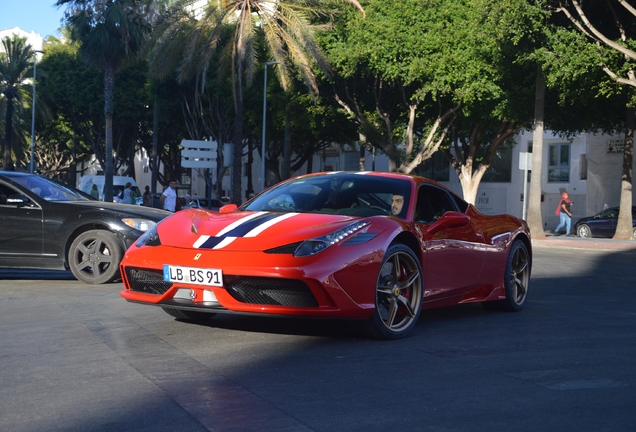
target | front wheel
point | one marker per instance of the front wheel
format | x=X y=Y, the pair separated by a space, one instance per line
x=94 y=257
x=584 y=231
x=398 y=295
x=188 y=315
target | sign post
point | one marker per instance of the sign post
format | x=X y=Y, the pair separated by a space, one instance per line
x=525 y=163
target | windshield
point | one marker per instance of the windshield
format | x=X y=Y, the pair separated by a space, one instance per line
x=343 y=194
x=48 y=189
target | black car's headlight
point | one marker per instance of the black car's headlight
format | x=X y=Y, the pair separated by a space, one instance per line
x=149 y=238
x=139 y=224
x=319 y=244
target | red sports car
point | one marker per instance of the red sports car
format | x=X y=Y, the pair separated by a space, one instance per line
x=378 y=247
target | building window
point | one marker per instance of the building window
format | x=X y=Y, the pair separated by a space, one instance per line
x=500 y=170
x=559 y=163
x=435 y=168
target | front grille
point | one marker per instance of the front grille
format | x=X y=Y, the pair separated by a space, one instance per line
x=271 y=291
x=148 y=281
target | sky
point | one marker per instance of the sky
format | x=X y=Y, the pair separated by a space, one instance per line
x=40 y=16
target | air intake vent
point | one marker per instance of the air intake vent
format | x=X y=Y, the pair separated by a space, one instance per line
x=148 y=281
x=271 y=291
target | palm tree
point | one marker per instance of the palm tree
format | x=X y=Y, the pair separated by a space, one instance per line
x=190 y=38
x=15 y=68
x=112 y=34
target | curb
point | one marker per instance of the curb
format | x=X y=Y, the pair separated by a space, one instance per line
x=585 y=244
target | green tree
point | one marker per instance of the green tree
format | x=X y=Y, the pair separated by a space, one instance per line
x=112 y=34
x=16 y=67
x=608 y=28
x=415 y=70
x=192 y=37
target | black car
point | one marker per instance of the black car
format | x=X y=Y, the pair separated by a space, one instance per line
x=602 y=224
x=47 y=225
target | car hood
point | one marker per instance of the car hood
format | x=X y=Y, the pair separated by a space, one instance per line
x=244 y=230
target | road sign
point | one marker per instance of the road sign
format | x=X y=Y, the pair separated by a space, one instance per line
x=198 y=154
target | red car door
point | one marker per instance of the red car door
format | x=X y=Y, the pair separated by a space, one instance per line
x=454 y=245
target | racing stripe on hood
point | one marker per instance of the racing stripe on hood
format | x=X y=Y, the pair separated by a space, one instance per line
x=250 y=226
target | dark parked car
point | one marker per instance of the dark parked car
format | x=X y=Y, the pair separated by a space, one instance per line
x=49 y=225
x=204 y=203
x=602 y=224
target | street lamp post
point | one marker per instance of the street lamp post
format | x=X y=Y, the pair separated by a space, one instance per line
x=32 y=162
x=264 y=116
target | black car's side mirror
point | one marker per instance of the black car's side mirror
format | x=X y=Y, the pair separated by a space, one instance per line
x=18 y=200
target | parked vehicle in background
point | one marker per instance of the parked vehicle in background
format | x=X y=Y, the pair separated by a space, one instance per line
x=204 y=203
x=602 y=224
x=48 y=225
x=119 y=183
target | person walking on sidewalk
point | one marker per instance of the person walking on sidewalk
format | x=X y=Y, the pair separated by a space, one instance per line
x=565 y=214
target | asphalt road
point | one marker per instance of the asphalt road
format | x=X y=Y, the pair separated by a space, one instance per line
x=79 y=358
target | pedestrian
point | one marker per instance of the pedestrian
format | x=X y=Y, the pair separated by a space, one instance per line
x=128 y=196
x=94 y=192
x=168 y=198
x=147 y=197
x=187 y=198
x=565 y=214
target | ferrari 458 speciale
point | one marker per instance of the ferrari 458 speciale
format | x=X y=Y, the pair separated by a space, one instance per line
x=375 y=247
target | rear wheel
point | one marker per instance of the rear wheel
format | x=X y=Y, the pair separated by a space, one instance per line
x=584 y=231
x=94 y=257
x=398 y=295
x=188 y=315
x=516 y=279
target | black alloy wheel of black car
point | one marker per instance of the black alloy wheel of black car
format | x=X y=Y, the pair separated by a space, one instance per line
x=94 y=257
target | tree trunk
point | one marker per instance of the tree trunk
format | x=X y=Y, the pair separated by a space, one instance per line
x=624 y=228
x=109 y=98
x=287 y=148
x=154 y=158
x=8 y=162
x=237 y=151
x=535 y=220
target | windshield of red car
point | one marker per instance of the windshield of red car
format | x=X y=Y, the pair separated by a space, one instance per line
x=344 y=194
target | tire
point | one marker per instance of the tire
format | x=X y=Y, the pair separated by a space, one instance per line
x=516 y=279
x=584 y=231
x=398 y=295
x=188 y=315
x=94 y=257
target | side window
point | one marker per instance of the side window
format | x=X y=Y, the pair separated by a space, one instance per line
x=432 y=203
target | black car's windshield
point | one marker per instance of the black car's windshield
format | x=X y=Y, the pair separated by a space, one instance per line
x=49 y=190
x=341 y=193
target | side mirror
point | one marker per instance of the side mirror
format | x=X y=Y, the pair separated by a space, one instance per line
x=18 y=199
x=229 y=208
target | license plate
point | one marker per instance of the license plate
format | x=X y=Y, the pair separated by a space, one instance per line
x=193 y=275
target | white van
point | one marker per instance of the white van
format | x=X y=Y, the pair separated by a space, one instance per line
x=119 y=182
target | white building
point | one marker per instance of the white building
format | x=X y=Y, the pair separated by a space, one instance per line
x=34 y=39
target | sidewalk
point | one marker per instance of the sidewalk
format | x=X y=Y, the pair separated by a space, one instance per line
x=582 y=243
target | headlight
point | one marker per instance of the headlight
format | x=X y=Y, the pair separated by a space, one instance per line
x=149 y=238
x=139 y=224
x=317 y=245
